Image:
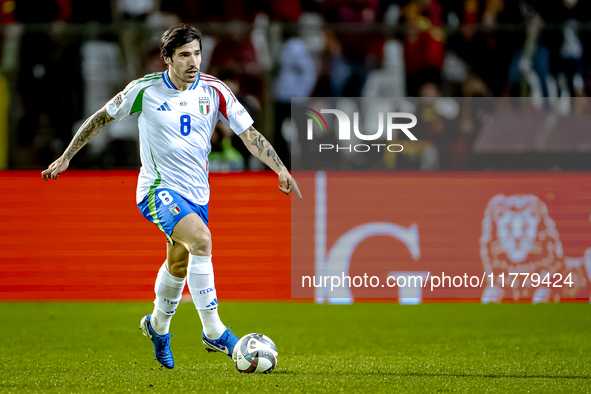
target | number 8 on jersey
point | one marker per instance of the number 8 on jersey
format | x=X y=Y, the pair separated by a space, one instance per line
x=185 y=125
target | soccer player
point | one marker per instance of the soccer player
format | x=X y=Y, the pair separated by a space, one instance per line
x=177 y=112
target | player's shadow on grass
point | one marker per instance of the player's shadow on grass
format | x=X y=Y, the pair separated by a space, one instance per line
x=455 y=375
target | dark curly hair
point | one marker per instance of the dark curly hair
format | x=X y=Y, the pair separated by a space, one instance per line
x=176 y=37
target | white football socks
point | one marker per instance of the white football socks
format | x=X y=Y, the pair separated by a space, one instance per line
x=169 y=290
x=202 y=287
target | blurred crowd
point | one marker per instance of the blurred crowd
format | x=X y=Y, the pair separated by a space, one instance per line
x=63 y=59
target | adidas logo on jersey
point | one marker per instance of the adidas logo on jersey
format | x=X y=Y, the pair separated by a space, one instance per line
x=164 y=107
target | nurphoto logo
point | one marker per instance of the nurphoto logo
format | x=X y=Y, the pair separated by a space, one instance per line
x=344 y=130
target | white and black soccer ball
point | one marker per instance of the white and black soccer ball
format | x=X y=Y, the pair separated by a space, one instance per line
x=255 y=353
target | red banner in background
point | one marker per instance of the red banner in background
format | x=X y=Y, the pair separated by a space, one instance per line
x=463 y=226
x=82 y=237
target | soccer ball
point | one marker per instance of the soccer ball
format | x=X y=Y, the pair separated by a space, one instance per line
x=255 y=353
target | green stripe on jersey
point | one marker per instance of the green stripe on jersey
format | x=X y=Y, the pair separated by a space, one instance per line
x=139 y=99
x=156 y=74
x=152 y=200
x=132 y=84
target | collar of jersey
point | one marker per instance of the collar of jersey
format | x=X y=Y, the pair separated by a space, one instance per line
x=170 y=85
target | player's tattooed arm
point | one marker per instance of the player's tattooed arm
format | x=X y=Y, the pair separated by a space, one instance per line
x=89 y=129
x=261 y=148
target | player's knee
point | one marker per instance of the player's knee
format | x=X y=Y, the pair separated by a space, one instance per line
x=178 y=268
x=201 y=244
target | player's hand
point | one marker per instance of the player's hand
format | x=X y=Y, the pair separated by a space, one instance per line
x=55 y=168
x=288 y=184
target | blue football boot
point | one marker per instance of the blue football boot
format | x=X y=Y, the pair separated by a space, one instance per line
x=161 y=343
x=224 y=344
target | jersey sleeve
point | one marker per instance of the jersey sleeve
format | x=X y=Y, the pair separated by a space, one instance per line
x=231 y=112
x=122 y=105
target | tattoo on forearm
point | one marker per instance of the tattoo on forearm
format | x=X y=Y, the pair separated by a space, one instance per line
x=264 y=147
x=258 y=141
x=89 y=129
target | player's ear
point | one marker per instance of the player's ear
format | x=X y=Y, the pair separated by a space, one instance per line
x=167 y=60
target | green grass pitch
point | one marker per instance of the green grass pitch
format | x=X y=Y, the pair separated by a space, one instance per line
x=97 y=347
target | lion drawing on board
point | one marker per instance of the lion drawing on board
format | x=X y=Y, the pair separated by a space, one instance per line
x=518 y=236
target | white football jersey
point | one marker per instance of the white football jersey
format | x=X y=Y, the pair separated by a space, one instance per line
x=175 y=130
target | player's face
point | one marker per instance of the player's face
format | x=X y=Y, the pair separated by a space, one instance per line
x=186 y=62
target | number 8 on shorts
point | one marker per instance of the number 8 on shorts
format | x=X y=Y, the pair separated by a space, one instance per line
x=165 y=197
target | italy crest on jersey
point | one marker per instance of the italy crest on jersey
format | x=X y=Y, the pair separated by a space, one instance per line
x=204 y=105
